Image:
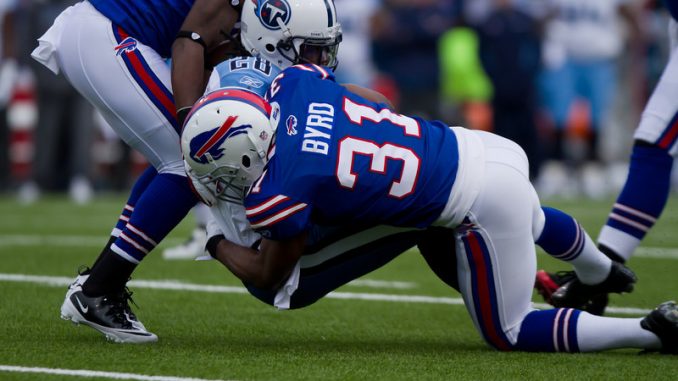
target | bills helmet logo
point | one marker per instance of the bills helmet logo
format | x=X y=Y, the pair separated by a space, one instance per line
x=127 y=45
x=273 y=14
x=207 y=146
x=291 y=124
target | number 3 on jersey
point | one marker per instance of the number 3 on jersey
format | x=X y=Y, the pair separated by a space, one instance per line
x=351 y=146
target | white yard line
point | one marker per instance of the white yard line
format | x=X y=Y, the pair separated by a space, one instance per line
x=95 y=373
x=182 y=286
x=13 y=240
x=656 y=252
x=9 y=240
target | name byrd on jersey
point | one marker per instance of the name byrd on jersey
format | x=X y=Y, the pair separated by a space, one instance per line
x=318 y=129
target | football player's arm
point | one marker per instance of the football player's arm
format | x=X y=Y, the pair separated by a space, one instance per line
x=207 y=25
x=265 y=268
x=369 y=94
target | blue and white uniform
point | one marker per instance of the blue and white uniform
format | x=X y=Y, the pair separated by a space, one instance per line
x=647 y=186
x=335 y=255
x=114 y=52
x=343 y=159
x=152 y=22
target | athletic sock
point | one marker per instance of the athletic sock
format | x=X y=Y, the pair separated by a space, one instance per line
x=162 y=206
x=641 y=201
x=570 y=330
x=563 y=238
x=137 y=190
x=109 y=275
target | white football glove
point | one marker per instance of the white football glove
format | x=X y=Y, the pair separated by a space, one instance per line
x=201 y=189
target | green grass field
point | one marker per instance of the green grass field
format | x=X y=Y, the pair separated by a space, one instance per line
x=229 y=335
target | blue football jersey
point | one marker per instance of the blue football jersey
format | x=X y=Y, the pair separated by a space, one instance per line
x=247 y=73
x=153 y=22
x=340 y=159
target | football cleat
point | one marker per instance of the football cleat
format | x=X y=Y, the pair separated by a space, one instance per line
x=663 y=322
x=575 y=294
x=547 y=283
x=108 y=314
x=193 y=248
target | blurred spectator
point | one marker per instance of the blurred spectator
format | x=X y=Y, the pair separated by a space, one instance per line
x=464 y=87
x=65 y=124
x=355 y=52
x=583 y=41
x=405 y=36
x=511 y=55
x=8 y=73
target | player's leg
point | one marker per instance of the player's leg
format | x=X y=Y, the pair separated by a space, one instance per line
x=497 y=263
x=647 y=186
x=130 y=88
x=194 y=246
x=335 y=256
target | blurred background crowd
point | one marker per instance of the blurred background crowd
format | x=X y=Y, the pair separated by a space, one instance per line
x=566 y=79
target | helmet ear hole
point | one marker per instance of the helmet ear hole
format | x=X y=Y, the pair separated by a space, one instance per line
x=270 y=48
x=246 y=162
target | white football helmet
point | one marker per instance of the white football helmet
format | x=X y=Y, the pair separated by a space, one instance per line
x=288 y=32
x=225 y=142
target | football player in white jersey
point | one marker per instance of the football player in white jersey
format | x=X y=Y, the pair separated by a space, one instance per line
x=582 y=42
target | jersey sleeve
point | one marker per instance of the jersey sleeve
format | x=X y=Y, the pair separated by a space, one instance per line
x=289 y=77
x=275 y=215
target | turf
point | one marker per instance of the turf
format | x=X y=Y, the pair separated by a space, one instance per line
x=233 y=336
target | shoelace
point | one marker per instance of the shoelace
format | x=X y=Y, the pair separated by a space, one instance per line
x=120 y=309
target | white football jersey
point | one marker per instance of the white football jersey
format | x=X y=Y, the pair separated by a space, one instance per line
x=587 y=29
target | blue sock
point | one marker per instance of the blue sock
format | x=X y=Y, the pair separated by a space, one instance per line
x=164 y=203
x=137 y=190
x=549 y=331
x=562 y=236
x=645 y=192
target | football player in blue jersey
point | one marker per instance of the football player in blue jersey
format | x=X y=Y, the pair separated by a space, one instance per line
x=113 y=52
x=342 y=159
x=648 y=182
x=333 y=255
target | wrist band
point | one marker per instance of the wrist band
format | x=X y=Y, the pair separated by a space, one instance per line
x=212 y=243
x=193 y=36
x=182 y=113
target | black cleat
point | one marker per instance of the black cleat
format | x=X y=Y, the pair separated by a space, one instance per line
x=547 y=283
x=663 y=322
x=108 y=314
x=593 y=298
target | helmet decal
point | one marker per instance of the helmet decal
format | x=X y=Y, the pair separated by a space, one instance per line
x=274 y=13
x=210 y=142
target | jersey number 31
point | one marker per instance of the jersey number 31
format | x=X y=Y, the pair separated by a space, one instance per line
x=379 y=154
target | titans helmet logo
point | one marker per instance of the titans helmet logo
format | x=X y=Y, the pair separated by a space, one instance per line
x=273 y=14
x=208 y=145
